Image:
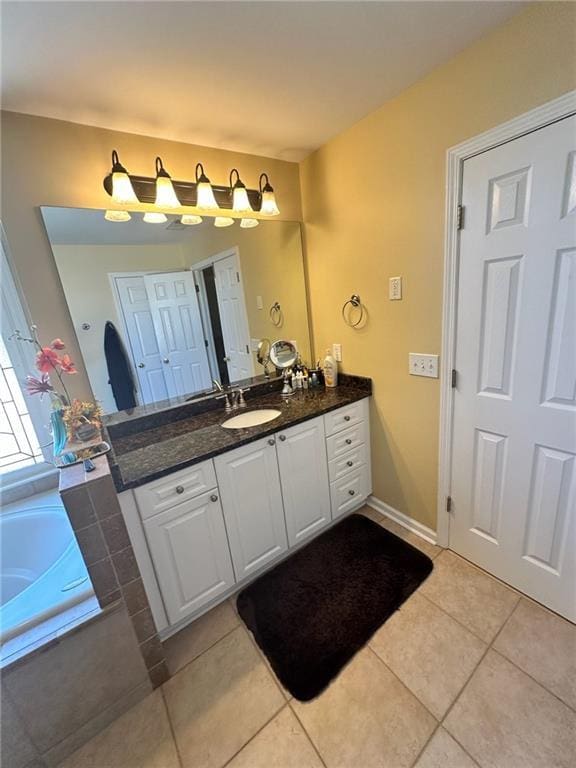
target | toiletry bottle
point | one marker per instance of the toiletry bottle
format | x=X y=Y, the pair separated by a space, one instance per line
x=330 y=370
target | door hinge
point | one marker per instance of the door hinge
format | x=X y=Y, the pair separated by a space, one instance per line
x=460 y=217
x=247 y=349
x=206 y=343
x=454 y=378
x=237 y=277
x=197 y=288
x=448 y=503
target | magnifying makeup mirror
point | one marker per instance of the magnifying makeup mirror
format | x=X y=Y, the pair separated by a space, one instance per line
x=283 y=355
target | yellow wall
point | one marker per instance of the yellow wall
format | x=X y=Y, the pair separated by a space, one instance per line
x=51 y=162
x=373 y=202
x=272 y=267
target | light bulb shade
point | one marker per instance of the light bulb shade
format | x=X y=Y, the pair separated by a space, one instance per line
x=165 y=194
x=223 y=221
x=154 y=218
x=189 y=219
x=205 y=200
x=122 y=189
x=117 y=216
x=249 y=223
x=240 y=201
x=268 y=206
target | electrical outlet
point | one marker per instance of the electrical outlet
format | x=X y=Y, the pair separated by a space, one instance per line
x=423 y=365
x=254 y=344
x=337 y=352
x=395 y=288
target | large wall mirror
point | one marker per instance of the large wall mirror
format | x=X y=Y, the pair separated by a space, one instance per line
x=161 y=310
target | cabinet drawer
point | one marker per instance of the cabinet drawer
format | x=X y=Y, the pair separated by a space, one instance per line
x=342 y=442
x=349 y=492
x=175 y=488
x=343 y=418
x=352 y=460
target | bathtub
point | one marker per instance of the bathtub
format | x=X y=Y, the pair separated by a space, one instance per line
x=42 y=572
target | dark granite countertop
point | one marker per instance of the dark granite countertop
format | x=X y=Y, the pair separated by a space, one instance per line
x=150 y=453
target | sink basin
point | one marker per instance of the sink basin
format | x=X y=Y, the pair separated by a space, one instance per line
x=251 y=418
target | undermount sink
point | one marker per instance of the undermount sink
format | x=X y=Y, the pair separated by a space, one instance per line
x=251 y=418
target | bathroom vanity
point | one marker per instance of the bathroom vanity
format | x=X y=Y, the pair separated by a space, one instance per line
x=208 y=509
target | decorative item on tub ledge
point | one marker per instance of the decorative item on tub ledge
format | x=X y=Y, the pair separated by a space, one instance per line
x=71 y=421
x=353 y=303
x=126 y=189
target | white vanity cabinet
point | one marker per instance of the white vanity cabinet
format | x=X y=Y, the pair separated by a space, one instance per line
x=190 y=553
x=304 y=477
x=249 y=482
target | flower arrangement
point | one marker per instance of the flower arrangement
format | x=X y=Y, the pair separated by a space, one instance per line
x=70 y=418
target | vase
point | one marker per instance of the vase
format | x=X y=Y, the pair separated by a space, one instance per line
x=59 y=433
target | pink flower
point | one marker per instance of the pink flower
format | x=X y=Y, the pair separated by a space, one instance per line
x=58 y=344
x=66 y=365
x=47 y=360
x=39 y=386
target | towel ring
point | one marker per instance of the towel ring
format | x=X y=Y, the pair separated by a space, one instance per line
x=355 y=302
x=276 y=314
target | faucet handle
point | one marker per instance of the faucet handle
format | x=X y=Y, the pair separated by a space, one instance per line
x=241 y=401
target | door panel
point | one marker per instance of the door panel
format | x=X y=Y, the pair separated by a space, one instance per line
x=176 y=316
x=514 y=446
x=233 y=319
x=304 y=478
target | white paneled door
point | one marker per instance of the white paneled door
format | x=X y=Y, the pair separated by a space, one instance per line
x=176 y=317
x=232 y=307
x=514 y=439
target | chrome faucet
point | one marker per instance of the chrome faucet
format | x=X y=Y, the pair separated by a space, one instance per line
x=217 y=386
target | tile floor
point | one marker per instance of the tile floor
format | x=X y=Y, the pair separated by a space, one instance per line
x=468 y=673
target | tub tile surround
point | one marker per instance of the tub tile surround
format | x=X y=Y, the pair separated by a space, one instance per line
x=94 y=511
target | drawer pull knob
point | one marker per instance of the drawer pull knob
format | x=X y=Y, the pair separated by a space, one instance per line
x=347 y=418
x=214 y=497
x=352 y=493
x=348 y=441
x=271 y=441
x=179 y=489
x=350 y=463
x=282 y=437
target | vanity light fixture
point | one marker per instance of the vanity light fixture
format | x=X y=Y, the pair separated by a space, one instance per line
x=165 y=194
x=268 y=206
x=240 y=201
x=249 y=223
x=151 y=217
x=223 y=221
x=117 y=216
x=205 y=200
x=190 y=219
x=122 y=189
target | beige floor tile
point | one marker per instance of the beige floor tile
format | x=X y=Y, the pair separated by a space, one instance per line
x=544 y=646
x=403 y=533
x=472 y=597
x=366 y=718
x=220 y=700
x=443 y=752
x=141 y=738
x=506 y=720
x=190 y=642
x=286 y=693
x=281 y=744
x=430 y=652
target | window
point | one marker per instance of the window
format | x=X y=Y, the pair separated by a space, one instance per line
x=24 y=435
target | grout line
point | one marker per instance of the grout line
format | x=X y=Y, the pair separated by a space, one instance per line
x=267 y=664
x=191 y=661
x=171 y=726
x=274 y=716
x=308 y=736
x=425 y=745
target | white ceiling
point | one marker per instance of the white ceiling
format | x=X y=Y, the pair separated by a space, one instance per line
x=271 y=78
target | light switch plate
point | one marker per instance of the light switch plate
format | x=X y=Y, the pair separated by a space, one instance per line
x=337 y=352
x=259 y=302
x=423 y=365
x=395 y=288
x=254 y=343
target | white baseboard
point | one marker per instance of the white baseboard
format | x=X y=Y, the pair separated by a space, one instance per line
x=399 y=517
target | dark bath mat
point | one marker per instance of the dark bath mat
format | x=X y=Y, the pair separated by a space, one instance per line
x=314 y=611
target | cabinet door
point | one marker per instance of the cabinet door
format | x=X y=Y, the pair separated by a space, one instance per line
x=190 y=553
x=304 y=478
x=249 y=484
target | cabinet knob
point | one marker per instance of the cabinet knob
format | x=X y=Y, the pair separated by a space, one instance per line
x=141 y=365
x=282 y=437
x=348 y=441
x=166 y=360
x=352 y=493
x=179 y=489
x=350 y=463
x=271 y=441
x=347 y=418
x=213 y=497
